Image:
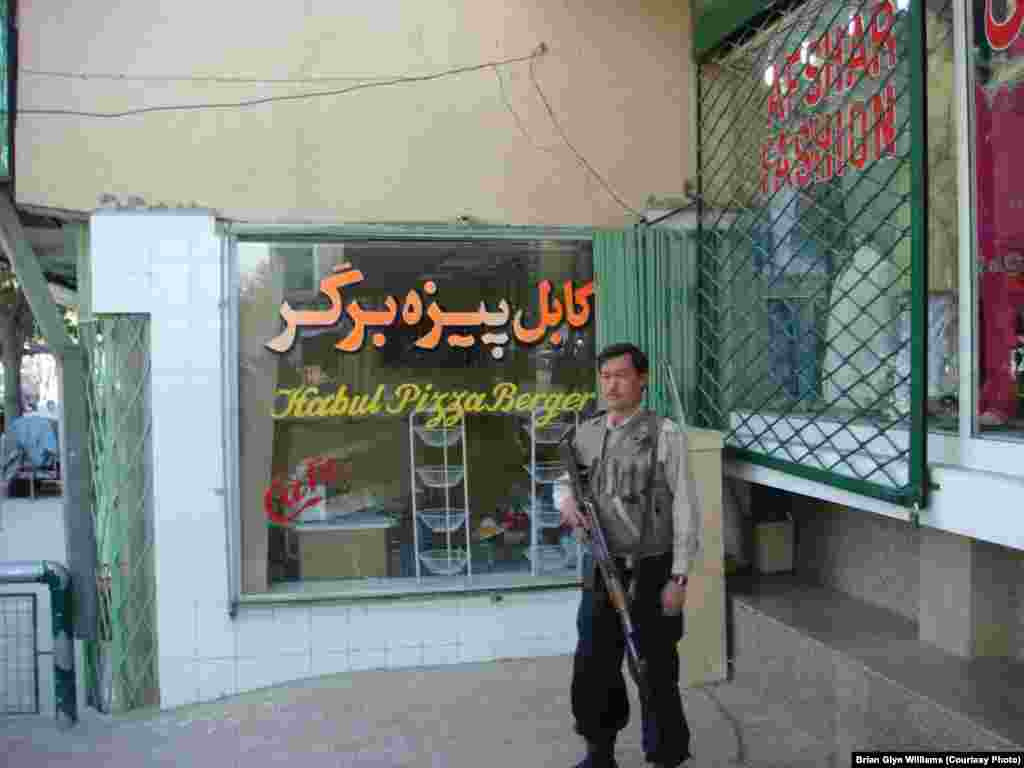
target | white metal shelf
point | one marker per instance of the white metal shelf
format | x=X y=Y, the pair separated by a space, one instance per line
x=543 y=515
x=444 y=519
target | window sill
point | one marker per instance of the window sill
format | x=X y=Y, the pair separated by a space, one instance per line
x=395 y=589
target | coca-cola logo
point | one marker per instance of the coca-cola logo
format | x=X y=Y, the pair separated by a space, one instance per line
x=1001 y=34
x=287 y=498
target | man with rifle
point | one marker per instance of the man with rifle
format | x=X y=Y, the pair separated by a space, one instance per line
x=639 y=502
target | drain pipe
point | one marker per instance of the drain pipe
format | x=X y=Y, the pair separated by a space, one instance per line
x=57 y=578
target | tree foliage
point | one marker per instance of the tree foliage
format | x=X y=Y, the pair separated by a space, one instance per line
x=17 y=329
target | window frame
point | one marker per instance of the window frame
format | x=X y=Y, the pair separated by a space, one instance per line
x=235 y=233
x=986 y=452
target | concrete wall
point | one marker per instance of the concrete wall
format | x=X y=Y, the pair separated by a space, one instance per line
x=1019 y=589
x=873 y=558
x=618 y=78
x=965 y=594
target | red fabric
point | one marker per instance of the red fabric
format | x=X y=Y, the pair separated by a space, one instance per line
x=999 y=155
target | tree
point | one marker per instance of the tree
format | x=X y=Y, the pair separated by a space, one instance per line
x=16 y=326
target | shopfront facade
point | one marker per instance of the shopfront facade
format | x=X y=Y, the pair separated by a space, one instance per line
x=335 y=494
x=325 y=528
x=350 y=411
x=351 y=422
x=861 y=339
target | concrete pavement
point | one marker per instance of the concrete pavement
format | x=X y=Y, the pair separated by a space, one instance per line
x=507 y=714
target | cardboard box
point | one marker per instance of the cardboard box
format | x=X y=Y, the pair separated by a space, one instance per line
x=773 y=547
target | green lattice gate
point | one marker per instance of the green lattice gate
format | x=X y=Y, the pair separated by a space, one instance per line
x=811 y=266
x=123 y=662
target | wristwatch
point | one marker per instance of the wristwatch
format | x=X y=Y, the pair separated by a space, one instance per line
x=679 y=579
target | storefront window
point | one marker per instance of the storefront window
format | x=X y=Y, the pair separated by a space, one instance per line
x=997 y=62
x=399 y=405
x=806 y=253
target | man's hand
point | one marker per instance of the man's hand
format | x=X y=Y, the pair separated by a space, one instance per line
x=673 y=598
x=571 y=515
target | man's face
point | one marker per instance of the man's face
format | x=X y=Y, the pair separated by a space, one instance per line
x=621 y=385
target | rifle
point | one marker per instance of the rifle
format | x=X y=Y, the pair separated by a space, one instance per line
x=609 y=570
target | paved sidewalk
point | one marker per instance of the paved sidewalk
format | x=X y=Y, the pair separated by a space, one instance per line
x=509 y=714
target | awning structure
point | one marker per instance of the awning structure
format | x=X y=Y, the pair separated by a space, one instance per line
x=44 y=249
x=46 y=232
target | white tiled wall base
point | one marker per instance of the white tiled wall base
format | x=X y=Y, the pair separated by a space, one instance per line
x=168 y=264
x=289 y=643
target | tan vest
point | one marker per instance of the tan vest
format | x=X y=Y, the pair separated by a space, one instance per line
x=628 y=484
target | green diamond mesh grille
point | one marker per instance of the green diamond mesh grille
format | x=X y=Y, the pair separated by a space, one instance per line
x=123 y=661
x=810 y=249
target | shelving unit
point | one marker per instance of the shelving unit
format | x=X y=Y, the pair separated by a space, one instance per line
x=543 y=514
x=440 y=519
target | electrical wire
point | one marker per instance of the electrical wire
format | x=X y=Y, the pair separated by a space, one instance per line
x=661 y=218
x=519 y=122
x=217 y=79
x=540 y=51
x=580 y=157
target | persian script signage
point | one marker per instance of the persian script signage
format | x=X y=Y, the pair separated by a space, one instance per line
x=573 y=308
x=830 y=142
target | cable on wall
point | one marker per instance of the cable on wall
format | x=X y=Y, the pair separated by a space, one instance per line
x=213 y=79
x=365 y=84
x=245 y=103
x=583 y=161
x=508 y=105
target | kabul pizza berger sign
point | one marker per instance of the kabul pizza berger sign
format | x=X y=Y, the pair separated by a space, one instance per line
x=573 y=309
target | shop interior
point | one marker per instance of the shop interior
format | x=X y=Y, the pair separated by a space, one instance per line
x=401 y=497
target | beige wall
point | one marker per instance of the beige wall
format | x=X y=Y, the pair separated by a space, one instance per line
x=617 y=76
x=703 y=648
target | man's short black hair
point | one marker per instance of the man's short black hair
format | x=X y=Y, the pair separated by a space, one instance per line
x=636 y=356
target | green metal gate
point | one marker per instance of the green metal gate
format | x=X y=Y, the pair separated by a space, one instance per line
x=812 y=240
x=123 y=661
x=644 y=278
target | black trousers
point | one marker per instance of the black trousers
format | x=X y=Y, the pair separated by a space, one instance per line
x=598 y=691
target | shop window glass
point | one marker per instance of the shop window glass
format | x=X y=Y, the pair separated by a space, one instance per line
x=794 y=349
x=997 y=53
x=420 y=454
x=807 y=231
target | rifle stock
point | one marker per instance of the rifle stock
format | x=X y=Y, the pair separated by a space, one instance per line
x=609 y=570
